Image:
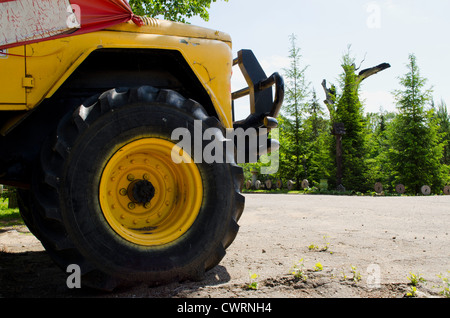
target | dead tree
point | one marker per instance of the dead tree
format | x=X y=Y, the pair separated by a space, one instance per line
x=339 y=128
x=330 y=93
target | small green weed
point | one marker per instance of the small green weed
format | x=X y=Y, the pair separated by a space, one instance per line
x=313 y=247
x=412 y=292
x=344 y=276
x=318 y=267
x=415 y=279
x=445 y=287
x=298 y=270
x=325 y=247
x=253 y=284
x=356 y=275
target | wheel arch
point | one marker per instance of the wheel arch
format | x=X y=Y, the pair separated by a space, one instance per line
x=108 y=68
x=101 y=70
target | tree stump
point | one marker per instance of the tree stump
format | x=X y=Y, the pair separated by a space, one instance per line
x=378 y=187
x=290 y=185
x=305 y=184
x=279 y=184
x=400 y=188
x=12 y=199
x=426 y=190
x=447 y=190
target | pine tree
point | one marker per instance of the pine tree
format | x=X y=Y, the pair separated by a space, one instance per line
x=415 y=149
x=297 y=90
x=378 y=148
x=316 y=128
x=443 y=119
x=350 y=112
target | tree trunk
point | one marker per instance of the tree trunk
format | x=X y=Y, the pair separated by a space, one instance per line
x=12 y=200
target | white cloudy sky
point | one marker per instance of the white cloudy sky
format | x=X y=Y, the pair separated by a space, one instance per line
x=382 y=31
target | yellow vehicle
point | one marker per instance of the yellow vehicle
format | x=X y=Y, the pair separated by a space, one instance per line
x=86 y=127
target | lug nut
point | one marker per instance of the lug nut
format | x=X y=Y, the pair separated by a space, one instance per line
x=123 y=192
x=130 y=177
x=131 y=205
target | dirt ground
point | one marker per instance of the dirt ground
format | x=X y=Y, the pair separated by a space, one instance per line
x=367 y=247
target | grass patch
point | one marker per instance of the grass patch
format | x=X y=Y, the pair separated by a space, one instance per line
x=9 y=217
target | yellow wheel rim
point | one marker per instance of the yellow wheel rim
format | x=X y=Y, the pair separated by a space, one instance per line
x=146 y=197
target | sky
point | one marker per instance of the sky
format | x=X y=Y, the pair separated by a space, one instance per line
x=378 y=32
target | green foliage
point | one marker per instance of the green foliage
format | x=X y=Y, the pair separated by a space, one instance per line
x=173 y=10
x=378 y=146
x=443 y=121
x=9 y=216
x=415 y=152
x=318 y=161
x=297 y=92
x=410 y=146
x=350 y=112
x=304 y=130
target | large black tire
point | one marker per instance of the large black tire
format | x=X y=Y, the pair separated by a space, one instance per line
x=66 y=211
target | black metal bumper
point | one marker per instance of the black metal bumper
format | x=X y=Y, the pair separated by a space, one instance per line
x=265 y=104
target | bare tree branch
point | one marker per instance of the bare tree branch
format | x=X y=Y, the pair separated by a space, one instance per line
x=372 y=71
x=330 y=100
x=330 y=93
x=360 y=64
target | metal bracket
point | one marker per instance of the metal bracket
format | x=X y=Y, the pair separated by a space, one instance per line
x=262 y=102
x=28 y=82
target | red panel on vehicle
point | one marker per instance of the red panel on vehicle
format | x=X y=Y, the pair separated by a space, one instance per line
x=100 y=14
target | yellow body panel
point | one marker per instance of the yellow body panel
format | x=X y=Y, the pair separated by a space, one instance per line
x=50 y=63
x=12 y=74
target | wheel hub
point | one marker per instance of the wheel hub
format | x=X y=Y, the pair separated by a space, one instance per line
x=141 y=191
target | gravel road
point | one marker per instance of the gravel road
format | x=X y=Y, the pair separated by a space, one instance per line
x=366 y=246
